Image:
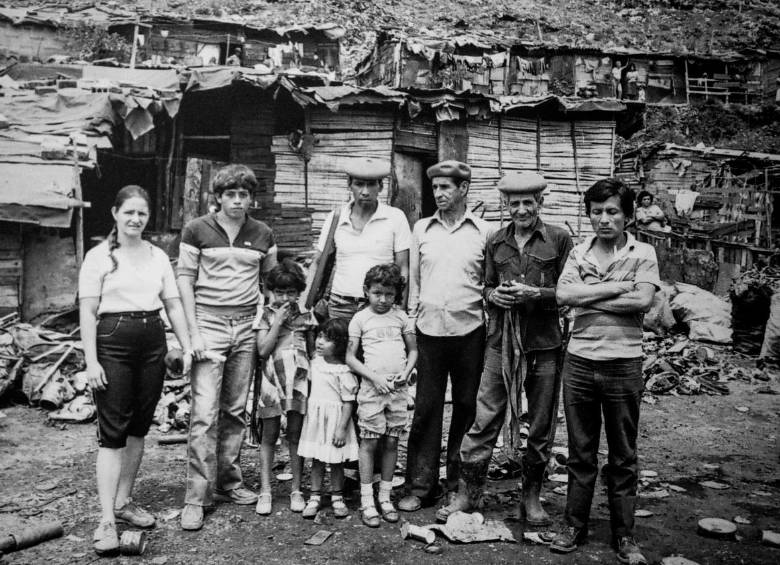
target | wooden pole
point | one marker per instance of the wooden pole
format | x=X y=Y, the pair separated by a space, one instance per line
x=78 y=210
x=227 y=49
x=500 y=174
x=687 y=84
x=538 y=143
x=307 y=131
x=134 y=50
x=769 y=206
x=577 y=179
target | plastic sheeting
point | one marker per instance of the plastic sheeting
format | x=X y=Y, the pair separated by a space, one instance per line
x=36 y=194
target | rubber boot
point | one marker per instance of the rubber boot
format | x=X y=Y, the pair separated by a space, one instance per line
x=530 y=506
x=470 y=489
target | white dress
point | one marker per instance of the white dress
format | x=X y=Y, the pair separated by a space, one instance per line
x=331 y=386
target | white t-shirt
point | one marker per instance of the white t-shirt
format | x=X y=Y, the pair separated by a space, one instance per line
x=129 y=288
x=382 y=338
x=386 y=233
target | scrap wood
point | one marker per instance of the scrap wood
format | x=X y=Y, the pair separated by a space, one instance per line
x=53 y=369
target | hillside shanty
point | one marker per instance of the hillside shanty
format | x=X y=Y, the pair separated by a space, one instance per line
x=298 y=138
x=164 y=38
x=492 y=64
x=719 y=200
x=67 y=147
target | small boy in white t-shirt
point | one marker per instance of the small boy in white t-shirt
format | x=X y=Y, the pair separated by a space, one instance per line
x=387 y=337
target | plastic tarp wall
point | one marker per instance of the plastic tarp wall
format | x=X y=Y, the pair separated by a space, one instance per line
x=36 y=194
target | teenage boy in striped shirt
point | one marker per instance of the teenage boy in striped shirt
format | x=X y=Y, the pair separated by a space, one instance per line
x=610 y=280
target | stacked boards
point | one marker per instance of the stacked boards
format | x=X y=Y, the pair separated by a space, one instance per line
x=571 y=155
x=340 y=136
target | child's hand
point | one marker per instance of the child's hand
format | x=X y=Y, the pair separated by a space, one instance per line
x=283 y=313
x=380 y=383
x=340 y=438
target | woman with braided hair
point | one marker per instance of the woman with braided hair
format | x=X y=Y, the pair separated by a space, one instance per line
x=123 y=284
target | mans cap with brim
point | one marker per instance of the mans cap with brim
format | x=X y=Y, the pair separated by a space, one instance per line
x=521 y=183
x=367 y=168
x=452 y=169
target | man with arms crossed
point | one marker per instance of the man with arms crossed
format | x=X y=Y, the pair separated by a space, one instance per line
x=610 y=280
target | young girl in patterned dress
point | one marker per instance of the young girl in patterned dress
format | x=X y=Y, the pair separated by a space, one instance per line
x=328 y=434
x=285 y=339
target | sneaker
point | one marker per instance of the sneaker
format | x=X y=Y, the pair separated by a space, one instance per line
x=105 y=541
x=312 y=507
x=628 y=551
x=568 y=540
x=192 y=517
x=264 y=504
x=134 y=515
x=240 y=495
x=297 y=502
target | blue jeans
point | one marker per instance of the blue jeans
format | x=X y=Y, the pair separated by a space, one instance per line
x=542 y=387
x=219 y=395
x=461 y=358
x=613 y=388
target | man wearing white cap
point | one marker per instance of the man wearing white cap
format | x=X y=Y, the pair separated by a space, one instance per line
x=368 y=233
x=522 y=264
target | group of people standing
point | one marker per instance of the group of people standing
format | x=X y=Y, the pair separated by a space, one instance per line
x=452 y=297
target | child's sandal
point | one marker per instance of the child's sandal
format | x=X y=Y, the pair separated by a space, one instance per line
x=389 y=512
x=263 y=504
x=340 y=509
x=312 y=507
x=370 y=516
x=297 y=502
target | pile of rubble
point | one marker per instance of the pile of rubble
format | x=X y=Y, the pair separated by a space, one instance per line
x=679 y=365
x=45 y=368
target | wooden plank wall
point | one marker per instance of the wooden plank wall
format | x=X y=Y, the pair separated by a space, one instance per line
x=347 y=134
x=10 y=268
x=522 y=147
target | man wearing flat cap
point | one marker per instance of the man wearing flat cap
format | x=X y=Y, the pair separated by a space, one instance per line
x=446 y=261
x=368 y=233
x=522 y=265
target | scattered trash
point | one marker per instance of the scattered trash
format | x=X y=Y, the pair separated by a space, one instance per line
x=419 y=533
x=640 y=513
x=559 y=478
x=172 y=439
x=469 y=528
x=74 y=538
x=677 y=560
x=433 y=549
x=541 y=538
x=717 y=528
x=161 y=560
x=676 y=488
x=768 y=537
x=761 y=493
x=47 y=485
x=712 y=467
x=707 y=316
x=648 y=474
x=284 y=477
x=28 y=537
x=318 y=538
x=560 y=490
x=323 y=518
x=658 y=493
x=715 y=485
x=170 y=514
x=741 y=520
x=742 y=409
x=132 y=542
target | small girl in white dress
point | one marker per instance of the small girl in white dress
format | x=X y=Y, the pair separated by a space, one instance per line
x=328 y=434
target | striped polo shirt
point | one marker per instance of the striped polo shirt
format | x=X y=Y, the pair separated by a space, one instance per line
x=603 y=336
x=225 y=273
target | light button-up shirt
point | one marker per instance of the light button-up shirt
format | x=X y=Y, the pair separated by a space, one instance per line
x=446 y=272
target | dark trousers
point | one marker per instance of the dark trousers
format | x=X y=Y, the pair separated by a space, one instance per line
x=131 y=351
x=461 y=358
x=542 y=385
x=612 y=388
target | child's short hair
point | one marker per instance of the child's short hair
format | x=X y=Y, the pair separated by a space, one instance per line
x=388 y=274
x=337 y=331
x=287 y=274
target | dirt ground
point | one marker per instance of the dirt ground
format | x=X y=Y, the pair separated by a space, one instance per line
x=47 y=474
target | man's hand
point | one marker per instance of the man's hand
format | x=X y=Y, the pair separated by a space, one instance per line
x=502 y=297
x=522 y=293
x=198 y=347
